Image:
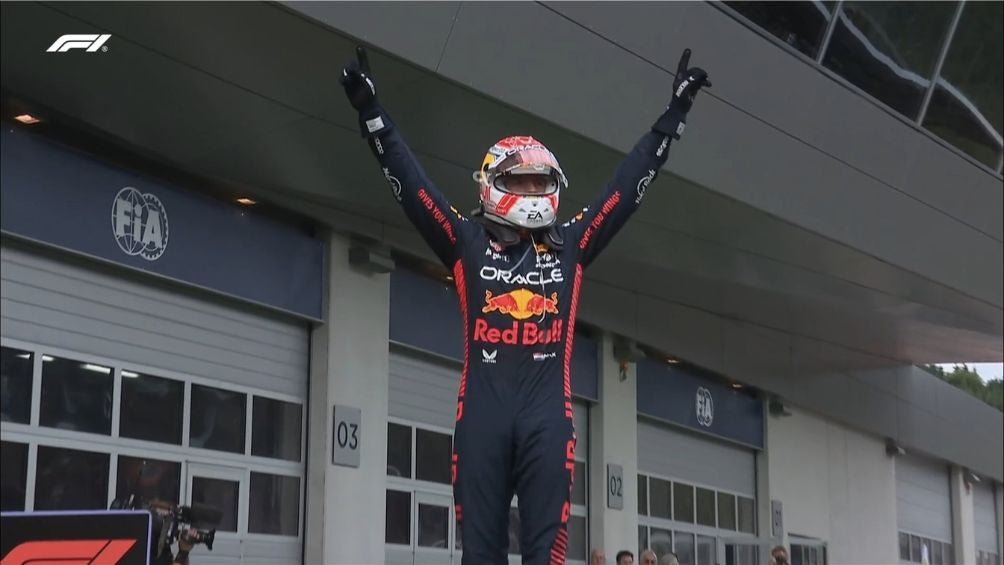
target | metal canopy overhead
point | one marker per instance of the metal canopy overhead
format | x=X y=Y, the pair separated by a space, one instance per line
x=246 y=96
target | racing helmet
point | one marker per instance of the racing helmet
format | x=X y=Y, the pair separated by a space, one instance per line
x=520 y=181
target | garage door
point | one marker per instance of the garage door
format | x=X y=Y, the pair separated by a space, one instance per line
x=923 y=509
x=118 y=372
x=422 y=406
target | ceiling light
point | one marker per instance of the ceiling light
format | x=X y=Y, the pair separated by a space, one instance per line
x=47 y=358
x=27 y=119
x=244 y=200
x=97 y=368
x=737 y=385
x=130 y=374
x=24 y=355
x=672 y=360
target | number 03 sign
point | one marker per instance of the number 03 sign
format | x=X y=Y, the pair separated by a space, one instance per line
x=347 y=436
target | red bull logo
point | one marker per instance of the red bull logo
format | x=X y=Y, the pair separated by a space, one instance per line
x=521 y=303
x=519 y=333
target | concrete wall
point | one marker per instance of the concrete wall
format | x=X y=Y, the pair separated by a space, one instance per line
x=835 y=484
x=613 y=438
x=349 y=366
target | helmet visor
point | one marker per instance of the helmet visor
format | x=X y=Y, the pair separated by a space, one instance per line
x=533 y=184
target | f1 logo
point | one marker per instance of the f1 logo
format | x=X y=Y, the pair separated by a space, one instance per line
x=91 y=552
x=91 y=42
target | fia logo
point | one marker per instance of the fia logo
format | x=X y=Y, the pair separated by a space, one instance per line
x=705 y=407
x=489 y=357
x=139 y=223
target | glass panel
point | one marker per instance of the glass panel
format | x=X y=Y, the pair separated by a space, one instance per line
x=398 y=521
x=514 y=531
x=915 y=549
x=643 y=495
x=799 y=24
x=937 y=555
x=904 y=546
x=579 y=484
x=706 y=547
x=150 y=479
x=642 y=539
x=68 y=479
x=433 y=526
x=13 y=475
x=577 y=538
x=965 y=109
x=432 y=456
x=726 y=511
x=16 y=367
x=684 y=548
x=797 y=555
x=218 y=419
x=662 y=541
x=949 y=554
x=889 y=49
x=706 y=507
x=747 y=515
x=660 y=498
x=76 y=395
x=152 y=408
x=748 y=555
x=458 y=537
x=683 y=503
x=274 y=504
x=275 y=428
x=398 y=450
x=221 y=494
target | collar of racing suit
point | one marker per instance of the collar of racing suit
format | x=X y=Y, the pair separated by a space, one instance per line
x=507 y=236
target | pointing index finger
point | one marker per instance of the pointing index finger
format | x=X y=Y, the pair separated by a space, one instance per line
x=364 y=61
x=681 y=68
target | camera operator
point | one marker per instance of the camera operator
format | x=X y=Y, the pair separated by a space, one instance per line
x=186 y=541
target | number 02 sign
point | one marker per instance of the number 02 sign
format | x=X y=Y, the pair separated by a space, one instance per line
x=347 y=436
x=615 y=486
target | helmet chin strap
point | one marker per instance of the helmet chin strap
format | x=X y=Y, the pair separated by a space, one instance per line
x=506 y=235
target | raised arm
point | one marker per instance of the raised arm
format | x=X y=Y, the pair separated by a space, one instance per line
x=593 y=229
x=441 y=225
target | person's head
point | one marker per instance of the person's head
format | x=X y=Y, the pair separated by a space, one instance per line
x=669 y=559
x=648 y=557
x=520 y=181
x=597 y=557
x=779 y=555
x=624 y=557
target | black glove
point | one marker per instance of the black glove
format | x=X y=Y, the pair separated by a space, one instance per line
x=688 y=83
x=361 y=92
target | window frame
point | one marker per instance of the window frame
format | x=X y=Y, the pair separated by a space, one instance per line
x=816 y=63
x=35 y=435
x=647 y=521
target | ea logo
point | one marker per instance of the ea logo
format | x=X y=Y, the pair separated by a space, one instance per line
x=705 y=407
x=139 y=223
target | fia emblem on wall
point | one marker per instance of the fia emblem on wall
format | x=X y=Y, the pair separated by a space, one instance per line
x=705 y=407
x=139 y=223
